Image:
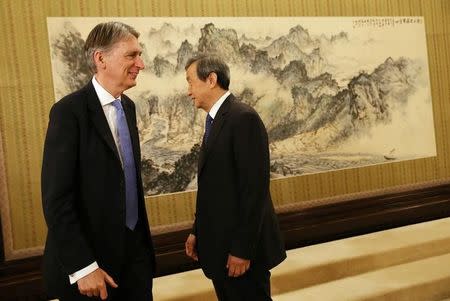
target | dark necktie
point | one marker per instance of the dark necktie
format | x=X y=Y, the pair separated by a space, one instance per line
x=129 y=168
x=208 y=126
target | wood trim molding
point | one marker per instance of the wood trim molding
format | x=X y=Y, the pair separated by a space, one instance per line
x=325 y=221
x=5 y=233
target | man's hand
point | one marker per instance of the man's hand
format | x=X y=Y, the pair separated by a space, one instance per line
x=94 y=284
x=190 y=247
x=237 y=266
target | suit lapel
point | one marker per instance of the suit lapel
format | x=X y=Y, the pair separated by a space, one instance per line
x=99 y=119
x=215 y=130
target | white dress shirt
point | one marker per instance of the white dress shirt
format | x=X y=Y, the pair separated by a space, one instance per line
x=106 y=101
x=216 y=106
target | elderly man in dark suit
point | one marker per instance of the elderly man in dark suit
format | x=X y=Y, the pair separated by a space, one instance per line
x=98 y=243
x=236 y=236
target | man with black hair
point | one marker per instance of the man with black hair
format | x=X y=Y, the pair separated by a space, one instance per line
x=235 y=236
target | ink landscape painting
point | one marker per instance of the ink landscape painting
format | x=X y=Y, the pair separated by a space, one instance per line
x=333 y=92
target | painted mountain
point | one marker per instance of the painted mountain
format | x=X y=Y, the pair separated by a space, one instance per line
x=332 y=93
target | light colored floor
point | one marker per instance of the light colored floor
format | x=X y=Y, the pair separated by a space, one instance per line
x=386 y=265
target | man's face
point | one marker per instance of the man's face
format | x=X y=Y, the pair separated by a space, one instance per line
x=198 y=90
x=123 y=63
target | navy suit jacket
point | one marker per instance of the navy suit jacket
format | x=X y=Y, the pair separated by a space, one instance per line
x=234 y=210
x=83 y=190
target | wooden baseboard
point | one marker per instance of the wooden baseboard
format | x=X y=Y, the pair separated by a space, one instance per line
x=22 y=279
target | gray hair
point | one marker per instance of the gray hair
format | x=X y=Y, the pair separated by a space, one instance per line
x=103 y=36
x=207 y=64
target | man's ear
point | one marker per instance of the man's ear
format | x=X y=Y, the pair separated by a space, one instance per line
x=212 y=79
x=99 y=59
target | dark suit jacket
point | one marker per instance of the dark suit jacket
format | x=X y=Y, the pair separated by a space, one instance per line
x=83 y=190
x=234 y=211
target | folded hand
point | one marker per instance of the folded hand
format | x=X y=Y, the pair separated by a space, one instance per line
x=237 y=266
x=94 y=284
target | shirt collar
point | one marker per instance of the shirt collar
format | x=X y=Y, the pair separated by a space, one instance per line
x=103 y=95
x=215 y=108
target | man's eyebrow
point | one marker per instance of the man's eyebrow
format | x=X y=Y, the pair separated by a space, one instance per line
x=134 y=52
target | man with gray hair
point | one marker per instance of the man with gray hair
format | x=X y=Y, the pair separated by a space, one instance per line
x=235 y=237
x=98 y=242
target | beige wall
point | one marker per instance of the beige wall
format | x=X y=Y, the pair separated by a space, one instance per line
x=26 y=95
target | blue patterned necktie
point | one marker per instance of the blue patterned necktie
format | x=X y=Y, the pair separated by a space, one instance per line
x=129 y=168
x=208 y=126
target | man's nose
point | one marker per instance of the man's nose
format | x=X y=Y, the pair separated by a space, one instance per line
x=140 y=63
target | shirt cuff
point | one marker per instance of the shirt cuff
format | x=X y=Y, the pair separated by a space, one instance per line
x=83 y=272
